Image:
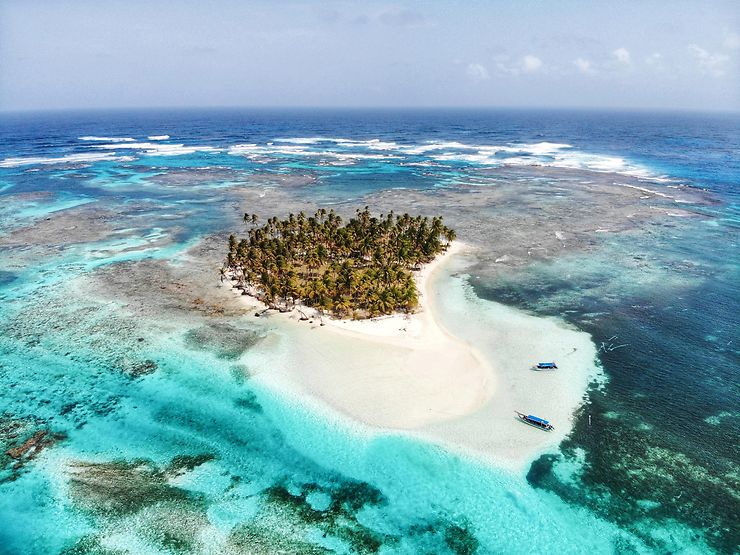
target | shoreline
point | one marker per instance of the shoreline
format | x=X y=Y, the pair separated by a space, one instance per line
x=386 y=326
x=425 y=376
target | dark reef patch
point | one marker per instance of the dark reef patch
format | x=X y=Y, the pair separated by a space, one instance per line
x=248 y=401
x=7 y=278
x=460 y=540
x=173 y=526
x=84 y=332
x=339 y=519
x=157 y=290
x=121 y=487
x=198 y=177
x=640 y=484
x=240 y=373
x=264 y=539
x=225 y=341
x=186 y=463
x=21 y=441
x=137 y=369
x=90 y=545
x=533 y=219
x=446 y=536
x=137 y=494
x=82 y=224
x=283 y=180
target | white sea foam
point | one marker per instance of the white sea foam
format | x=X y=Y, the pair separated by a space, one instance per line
x=107 y=139
x=301 y=140
x=646 y=190
x=67 y=159
x=539 y=149
x=421 y=164
x=372 y=144
x=252 y=150
x=520 y=161
x=422 y=149
x=482 y=158
x=242 y=148
x=558 y=155
x=158 y=137
x=544 y=153
x=598 y=163
x=160 y=149
x=311 y=140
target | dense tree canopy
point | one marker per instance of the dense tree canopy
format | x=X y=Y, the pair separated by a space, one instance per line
x=359 y=269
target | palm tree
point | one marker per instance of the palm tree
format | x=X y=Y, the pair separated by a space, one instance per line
x=361 y=267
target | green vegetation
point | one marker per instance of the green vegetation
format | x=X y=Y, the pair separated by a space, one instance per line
x=360 y=269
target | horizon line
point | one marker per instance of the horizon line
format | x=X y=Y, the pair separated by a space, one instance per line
x=622 y=109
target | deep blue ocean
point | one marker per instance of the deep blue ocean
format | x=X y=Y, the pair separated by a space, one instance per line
x=654 y=455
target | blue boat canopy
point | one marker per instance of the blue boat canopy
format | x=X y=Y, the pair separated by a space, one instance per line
x=545 y=364
x=536 y=419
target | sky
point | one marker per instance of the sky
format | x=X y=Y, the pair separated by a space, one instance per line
x=652 y=54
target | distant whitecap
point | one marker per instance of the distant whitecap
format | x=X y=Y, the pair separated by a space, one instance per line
x=68 y=159
x=106 y=139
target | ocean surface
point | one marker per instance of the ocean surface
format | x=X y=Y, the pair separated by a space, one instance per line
x=130 y=422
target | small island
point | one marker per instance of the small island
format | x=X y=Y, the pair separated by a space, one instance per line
x=359 y=269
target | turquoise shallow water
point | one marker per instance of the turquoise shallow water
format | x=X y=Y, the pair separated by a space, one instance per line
x=151 y=436
x=399 y=492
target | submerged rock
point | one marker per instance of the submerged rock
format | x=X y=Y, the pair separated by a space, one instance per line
x=22 y=440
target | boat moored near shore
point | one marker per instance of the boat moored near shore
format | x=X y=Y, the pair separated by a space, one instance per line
x=535 y=421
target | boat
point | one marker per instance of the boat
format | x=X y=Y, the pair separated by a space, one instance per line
x=547 y=366
x=535 y=421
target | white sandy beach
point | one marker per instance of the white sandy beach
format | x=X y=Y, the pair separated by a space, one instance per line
x=452 y=373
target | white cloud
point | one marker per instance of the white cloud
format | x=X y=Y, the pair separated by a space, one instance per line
x=477 y=72
x=711 y=63
x=732 y=41
x=584 y=66
x=530 y=63
x=622 y=55
x=527 y=64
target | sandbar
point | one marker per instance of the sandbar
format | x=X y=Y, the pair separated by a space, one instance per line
x=451 y=373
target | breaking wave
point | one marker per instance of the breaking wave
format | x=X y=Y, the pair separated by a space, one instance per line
x=161 y=149
x=346 y=151
x=547 y=154
x=107 y=139
x=68 y=159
